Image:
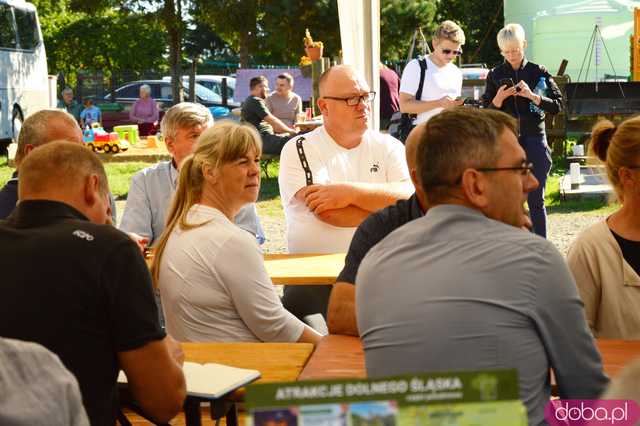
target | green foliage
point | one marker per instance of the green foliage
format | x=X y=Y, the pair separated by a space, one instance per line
x=283 y=25
x=236 y=21
x=120 y=174
x=103 y=40
x=5 y=171
x=112 y=42
x=481 y=22
x=398 y=21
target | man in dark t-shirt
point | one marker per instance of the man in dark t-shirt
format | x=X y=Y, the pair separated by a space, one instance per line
x=341 y=315
x=81 y=288
x=255 y=112
x=389 y=94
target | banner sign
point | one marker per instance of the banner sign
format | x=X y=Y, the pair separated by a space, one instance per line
x=459 y=397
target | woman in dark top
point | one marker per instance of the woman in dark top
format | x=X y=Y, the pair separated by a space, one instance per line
x=605 y=259
x=527 y=92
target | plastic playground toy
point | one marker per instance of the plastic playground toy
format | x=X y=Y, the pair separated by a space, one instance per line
x=96 y=138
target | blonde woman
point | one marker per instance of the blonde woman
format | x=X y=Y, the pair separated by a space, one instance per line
x=211 y=274
x=511 y=87
x=442 y=83
x=605 y=259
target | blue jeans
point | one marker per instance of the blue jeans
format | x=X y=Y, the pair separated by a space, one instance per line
x=539 y=154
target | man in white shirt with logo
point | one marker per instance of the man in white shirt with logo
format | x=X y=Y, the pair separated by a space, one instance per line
x=351 y=172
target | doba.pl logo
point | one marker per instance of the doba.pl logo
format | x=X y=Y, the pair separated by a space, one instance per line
x=592 y=412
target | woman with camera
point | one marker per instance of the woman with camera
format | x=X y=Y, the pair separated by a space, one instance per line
x=527 y=92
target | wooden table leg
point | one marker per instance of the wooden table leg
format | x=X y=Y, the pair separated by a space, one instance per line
x=192 y=412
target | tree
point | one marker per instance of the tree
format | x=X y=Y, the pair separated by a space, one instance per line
x=112 y=41
x=481 y=22
x=283 y=27
x=398 y=21
x=236 y=21
x=172 y=16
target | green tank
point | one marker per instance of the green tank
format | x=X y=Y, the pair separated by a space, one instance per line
x=559 y=30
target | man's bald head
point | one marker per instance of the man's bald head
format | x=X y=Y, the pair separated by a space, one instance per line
x=345 y=123
x=336 y=75
x=69 y=173
x=416 y=136
x=46 y=126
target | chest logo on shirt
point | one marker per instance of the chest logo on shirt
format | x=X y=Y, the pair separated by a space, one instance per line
x=375 y=167
x=81 y=234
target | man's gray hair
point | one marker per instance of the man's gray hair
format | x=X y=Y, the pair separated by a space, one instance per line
x=184 y=115
x=35 y=129
x=455 y=140
x=67 y=90
x=146 y=88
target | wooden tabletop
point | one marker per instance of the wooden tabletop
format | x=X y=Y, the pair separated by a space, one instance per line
x=336 y=357
x=277 y=362
x=617 y=353
x=309 y=125
x=342 y=357
x=307 y=268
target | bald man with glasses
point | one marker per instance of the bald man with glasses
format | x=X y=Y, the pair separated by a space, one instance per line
x=331 y=179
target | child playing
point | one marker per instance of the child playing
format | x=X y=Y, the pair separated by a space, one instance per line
x=90 y=114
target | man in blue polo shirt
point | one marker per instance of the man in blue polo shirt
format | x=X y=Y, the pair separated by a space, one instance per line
x=341 y=313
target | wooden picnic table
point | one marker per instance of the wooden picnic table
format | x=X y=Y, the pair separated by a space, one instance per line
x=309 y=125
x=304 y=268
x=338 y=357
x=277 y=362
x=298 y=269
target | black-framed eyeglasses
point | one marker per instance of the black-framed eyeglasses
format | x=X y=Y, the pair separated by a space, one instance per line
x=450 y=51
x=355 y=100
x=525 y=169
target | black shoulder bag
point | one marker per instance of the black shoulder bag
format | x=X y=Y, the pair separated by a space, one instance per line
x=401 y=124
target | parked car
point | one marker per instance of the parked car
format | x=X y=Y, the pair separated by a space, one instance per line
x=128 y=93
x=214 y=83
x=472 y=87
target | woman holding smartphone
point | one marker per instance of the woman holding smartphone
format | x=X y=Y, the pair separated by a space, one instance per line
x=527 y=92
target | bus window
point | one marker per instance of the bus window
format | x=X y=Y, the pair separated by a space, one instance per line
x=27 y=28
x=7 y=30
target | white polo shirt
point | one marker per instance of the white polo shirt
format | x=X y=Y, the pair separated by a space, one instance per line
x=378 y=159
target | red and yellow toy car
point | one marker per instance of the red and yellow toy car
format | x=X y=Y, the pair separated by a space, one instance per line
x=96 y=138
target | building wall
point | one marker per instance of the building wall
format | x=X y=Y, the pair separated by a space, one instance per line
x=560 y=29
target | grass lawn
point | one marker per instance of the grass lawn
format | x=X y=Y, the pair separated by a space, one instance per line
x=269 y=200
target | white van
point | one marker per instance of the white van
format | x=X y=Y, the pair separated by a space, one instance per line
x=23 y=67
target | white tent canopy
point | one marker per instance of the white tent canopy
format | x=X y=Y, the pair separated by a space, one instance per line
x=360 y=37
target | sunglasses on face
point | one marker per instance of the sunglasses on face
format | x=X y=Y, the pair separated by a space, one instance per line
x=451 y=51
